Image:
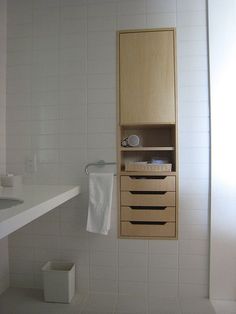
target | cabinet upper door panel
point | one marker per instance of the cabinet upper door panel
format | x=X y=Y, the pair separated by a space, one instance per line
x=147 y=77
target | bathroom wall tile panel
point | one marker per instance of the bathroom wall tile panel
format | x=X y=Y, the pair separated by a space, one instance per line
x=46 y=68
x=103 y=272
x=193 y=201
x=45 y=43
x=101 y=154
x=166 y=276
x=163 y=247
x=19 y=30
x=194 y=124
x=194 y=5
x=103 y=258
x=197 y=247
x=41 y=177
x=161 y=20
x=22 y=280
x=188 y=154
x=104 y=286
x=73 y=155
x=189 y=78
x=80 y=257
x=101 y=52
x=72 y=126
x=193 y=262
x=101 y=24
x=104 y=66
x=74 y=243
x=101 y=96
x=131 y=21
x=193 y=290
x=19 y=58
x=69 y=141
x=168 y=261
x=102 y=9
x=192 y=18
x=188 y=33
x=165 y=290
x=73 y=40
x=20 y=266
x=73 y=2
x=19 y=72
x=19 y=14
x=98 y=243
x=18 y=142
x=18 y=113
x=101 y=125
x=192 y=63
x=135 y=259
x=73 y=111
x=45 y=4
x=199 y=232
x=131 y=7
x=197 y=109
x=73 y=97
x=132 y=288
x=131 y=304
x=101 y=111
x=73 y=12
x=138 y=246
x=192 y=48
x=102 y=140
x=39 y=127
x=193 y=217
x=133 y=273
x=160 y=6
x=28 y=253
x=194 y=139
x=187 y=276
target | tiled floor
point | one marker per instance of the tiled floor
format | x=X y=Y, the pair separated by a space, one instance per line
x=29 y=301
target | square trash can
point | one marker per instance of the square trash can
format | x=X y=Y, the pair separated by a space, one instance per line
x=58 y=281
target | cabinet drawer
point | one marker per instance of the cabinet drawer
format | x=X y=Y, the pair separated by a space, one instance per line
x=165 y=214
x=151 y=183
x=147 y=230
x=140 y=199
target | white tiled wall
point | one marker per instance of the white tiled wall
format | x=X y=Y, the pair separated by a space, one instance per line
x=4 y=265
x=3 y=61
x=61 y=101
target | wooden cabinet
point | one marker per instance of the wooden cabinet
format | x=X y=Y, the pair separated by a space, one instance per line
x=148 y=200
x=147 y=77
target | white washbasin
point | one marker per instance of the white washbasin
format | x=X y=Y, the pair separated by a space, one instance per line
x=6 y=202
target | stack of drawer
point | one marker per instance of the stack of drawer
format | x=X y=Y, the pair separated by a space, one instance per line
x=148 y=206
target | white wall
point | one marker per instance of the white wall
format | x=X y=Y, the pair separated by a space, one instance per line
x=61 y=105
x=4 y=265
x=222 y=44
x=3 y=62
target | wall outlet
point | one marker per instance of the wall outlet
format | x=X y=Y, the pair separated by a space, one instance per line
x=31 y=164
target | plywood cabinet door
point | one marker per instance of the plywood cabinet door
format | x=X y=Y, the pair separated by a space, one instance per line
x=147 y=77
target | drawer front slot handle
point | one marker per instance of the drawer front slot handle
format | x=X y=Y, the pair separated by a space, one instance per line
x=159 y=223
x=147 y=177
x=148 y=207
x=148 y=192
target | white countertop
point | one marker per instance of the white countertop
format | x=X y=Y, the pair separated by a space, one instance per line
x=38 y=200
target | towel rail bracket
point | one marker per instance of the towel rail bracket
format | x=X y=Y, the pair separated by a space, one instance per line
x=100 y=163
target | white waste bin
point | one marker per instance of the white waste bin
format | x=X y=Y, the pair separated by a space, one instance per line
x=58 y=281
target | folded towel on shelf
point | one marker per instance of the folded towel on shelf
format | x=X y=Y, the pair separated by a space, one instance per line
x=100 y=200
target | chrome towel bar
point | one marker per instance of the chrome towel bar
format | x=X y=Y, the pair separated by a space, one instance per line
x=100 y=163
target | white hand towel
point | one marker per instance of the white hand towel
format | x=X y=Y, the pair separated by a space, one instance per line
x=100 y=200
